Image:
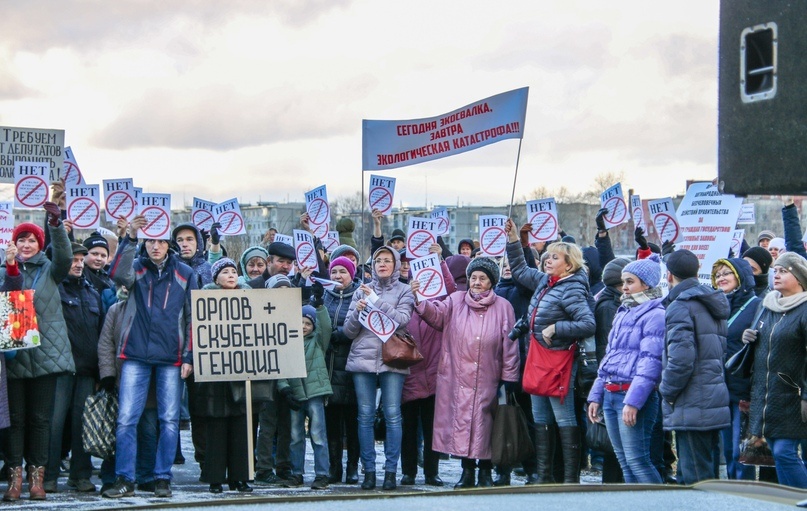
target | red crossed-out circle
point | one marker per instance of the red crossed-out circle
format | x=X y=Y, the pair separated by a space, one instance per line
x=489 y=238
x=442 y=225
x=306 y=256
x=384 y=327
x=380 y=199
x=638 y=215
x=321 y=230
x=545 y=222
x=415 y=247
x=617 y=210
x=735 y=244
x=318 y=211
x=153 y=222
x=329 y=243
x=663 y=222
x=83 y=208
x=33 y=184
x=125 y=205
x=426 y=278
x=71 y=172
x=202 y=217
x=231 y=222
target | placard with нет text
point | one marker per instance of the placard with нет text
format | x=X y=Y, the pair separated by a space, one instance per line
x=247 y=334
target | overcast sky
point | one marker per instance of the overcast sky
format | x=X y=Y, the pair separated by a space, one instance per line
x=264 y=99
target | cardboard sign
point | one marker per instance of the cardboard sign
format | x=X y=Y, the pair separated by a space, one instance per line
x=737 y=242
x=382 y=191
x=202 y=213
x=304 y=249
x=83 y=205
x=18 y=325
x=748 y=215
x=31 y=145
x=443 y=221
x=614 y=200
x=427 y=271
x=247 y=334
x=156 y=208
x=70 y=171
x=707 y=220
x=228 y=214
x=420 y=236
x=662 y=212
x=6 y=224
x=374 y=320
x=284 y=238
x=543 y=215
x=119 y=199
x=30 y=184
x=637 y=213
x=492 y=238
x=331 y=241
x=319 y=212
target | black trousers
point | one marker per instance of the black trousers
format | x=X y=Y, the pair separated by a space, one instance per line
x=226 y=456
x=30 y=404
x=342 y=422
x=419 y=411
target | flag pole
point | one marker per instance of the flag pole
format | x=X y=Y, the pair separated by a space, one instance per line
x=363 y=233
x=515 y=178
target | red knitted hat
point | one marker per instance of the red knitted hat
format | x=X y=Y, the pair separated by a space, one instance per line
x=34 y=229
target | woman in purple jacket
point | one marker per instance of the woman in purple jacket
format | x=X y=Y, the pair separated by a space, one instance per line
x=628 y=375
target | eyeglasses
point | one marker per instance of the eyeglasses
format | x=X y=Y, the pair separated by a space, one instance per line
x=383 y=261
x=720 y=275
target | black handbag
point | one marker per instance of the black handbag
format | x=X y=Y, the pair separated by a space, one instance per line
x=510 y=442
x=597 y=437
x=380 y=424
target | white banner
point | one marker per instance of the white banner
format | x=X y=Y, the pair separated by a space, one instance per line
x=319 y=211
x=614 y=200
x=83 y=205
x=382 y=192
x=662 y=212
x=543 y=215
x=393 y=144
x=228 y=214
x=427 y=271
x=492 y=238
x=420 y=236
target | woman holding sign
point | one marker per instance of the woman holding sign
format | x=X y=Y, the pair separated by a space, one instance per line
x=559 y=314
x=395 y=300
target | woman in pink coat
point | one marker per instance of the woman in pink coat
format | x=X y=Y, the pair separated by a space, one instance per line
x=476 y=356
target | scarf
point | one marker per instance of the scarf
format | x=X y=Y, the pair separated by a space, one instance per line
x=479 y=296
x=639 y=298
x=775 y=302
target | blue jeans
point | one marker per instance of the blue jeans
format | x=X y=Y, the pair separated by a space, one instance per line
x=146 y=451
x=314 y=409
x=549 y=410
x=731 y=447
x=632 y=443
x=790 y=468
x=391 y=388
x=134 y=386
x=698 y=455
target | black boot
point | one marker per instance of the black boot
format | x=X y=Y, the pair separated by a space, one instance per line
x=544 y=453
x=467 y=479
x=503 y=474
x=485 y=478
x=352 y=473
x=570 y=443
x=389 y=481
x=369 y=481
x=335 y=459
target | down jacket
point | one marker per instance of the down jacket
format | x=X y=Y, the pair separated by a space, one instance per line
x=567 y=305
x=83 y=313
x=396 y=300
x=43 y=276
x=476 y=355
x=316 y=384
x=338 y=303
x=694 y=393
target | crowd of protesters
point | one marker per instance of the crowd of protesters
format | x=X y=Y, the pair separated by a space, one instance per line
x=114 y=315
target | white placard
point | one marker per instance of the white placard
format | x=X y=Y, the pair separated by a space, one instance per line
x=420 y=236
x=6 y=223
x=284 y=238
x=330 y=242
x=428 y=272
x=382 y=193
x=319 y=211
x=614 y=200
x=637 y=213
x=304 y=249
x=443 y=220
x=202 y=213
x=83 y=205
x=30 y=184
x=30 y=145
x=120 y=200
x=748 y=215
x=70 y=170
x=374 y=320
x=543 y=215
x=662 y=213
x=156 y=208
x=492 y=238
x=737 y=242
x=228 y=214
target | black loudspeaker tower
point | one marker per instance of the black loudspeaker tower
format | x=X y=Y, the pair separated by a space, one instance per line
x=762 y=113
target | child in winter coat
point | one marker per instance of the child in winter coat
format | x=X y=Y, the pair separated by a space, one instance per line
x=307 y=397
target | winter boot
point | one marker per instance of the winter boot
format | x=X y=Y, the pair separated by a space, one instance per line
x=335 y=459
x=570 y=443
x=503 y=476
x=485 y=478
x=35 y=476
x=544 y=453
x=14 y=485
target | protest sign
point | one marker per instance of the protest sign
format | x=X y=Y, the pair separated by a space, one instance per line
x=247 y=334
x=707 y=220
x=427 y=271
x=70 y=171
x=319 y=212
x=284 y=238
x=748 y=215
x=330 y=241
x=326 y=283
x=637 y=213
x=443 y=221
x=737 y=242
x=6 y=224
x=31 y=145
x=228 y=214
x=543 y=215
x=662 y=212
x=492 y=238
x=304 y=249
x=382 y=191
x=30 y=184
x=18 y=325
x=119 y=199
x=202 y=213
x=398 y=143
x=614 y=200
x=374 y=320
x=83 y=205
x=156 y=208
x=420 y=236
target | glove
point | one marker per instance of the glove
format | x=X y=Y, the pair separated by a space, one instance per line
x=215 y=238
x=294 y=403
x=317 y=291
x=53 y=212
x=749 y=336
x=107 y=384
x=524 y=235
x=667 y=248
x=804 y=411
x=600 y=220
x=638 y=235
